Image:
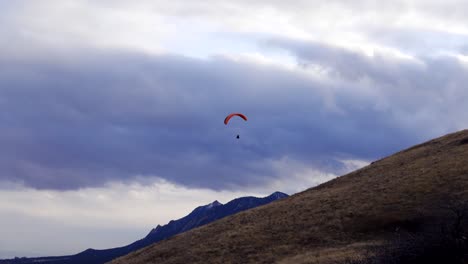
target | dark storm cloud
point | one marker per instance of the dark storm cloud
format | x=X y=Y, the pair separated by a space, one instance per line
x=425 y=89
x=80 y=121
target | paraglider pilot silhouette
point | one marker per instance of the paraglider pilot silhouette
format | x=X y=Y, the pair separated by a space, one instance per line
x=226 y=120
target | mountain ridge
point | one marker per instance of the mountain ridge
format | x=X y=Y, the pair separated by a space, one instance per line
x=201 y=215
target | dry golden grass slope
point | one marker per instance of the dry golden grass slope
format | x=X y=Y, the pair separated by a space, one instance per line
x=330 y=221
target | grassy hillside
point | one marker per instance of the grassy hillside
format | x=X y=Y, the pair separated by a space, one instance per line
x=335 y=220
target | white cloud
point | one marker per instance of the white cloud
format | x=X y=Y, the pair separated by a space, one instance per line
x=204 y=28
x=79 y=24
x=117 y=204
x=294 y=176
x=354 y=164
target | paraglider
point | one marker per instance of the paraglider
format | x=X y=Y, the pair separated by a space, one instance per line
x=226 y=120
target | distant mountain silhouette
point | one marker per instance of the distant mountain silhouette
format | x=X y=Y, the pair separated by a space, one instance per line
x=201 y=215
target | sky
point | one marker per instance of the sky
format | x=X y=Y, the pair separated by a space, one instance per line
x=111 y=112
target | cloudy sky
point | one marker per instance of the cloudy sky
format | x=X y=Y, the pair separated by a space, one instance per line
x=111 y=112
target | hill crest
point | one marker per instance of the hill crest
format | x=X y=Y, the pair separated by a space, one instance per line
x=328 y=222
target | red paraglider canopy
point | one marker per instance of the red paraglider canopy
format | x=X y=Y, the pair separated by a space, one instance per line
x=226 y=120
